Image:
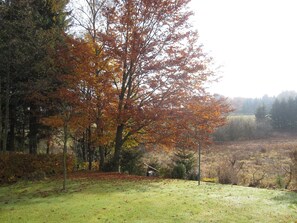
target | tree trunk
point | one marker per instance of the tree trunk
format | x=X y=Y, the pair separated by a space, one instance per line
x=33 y=130
x=83 y=147
x=48 y=146
x=11 y=135
x=1 y=148
x=65 y=129
x=23 y=131
x=6 y=118
x=90 y=152
x=102 y=158
x=118 y=148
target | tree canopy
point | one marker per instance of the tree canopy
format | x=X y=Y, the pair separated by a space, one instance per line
x=135 y=76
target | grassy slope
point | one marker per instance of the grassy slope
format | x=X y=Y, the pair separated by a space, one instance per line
x=143 y=201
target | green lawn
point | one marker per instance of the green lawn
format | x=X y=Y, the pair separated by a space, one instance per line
x=143 y=201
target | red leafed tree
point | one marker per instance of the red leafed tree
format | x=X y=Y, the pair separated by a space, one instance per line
x=200 y=118
x=80 y=103
x=158 y=64
x=157 y=69
x=92 y=84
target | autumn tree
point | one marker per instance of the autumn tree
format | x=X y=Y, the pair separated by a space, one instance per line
x=66 y=110
x=159 y=64
x=99 y=93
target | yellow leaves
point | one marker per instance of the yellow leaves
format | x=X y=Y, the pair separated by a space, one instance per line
x=54 y=121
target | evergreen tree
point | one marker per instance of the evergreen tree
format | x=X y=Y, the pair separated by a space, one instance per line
x=284 y=114
x=185 y=158
x=30 y=31
x=261 y=113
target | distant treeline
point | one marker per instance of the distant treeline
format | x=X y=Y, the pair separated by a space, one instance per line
x=258 y=118
x=249 y=106
x=284 y=114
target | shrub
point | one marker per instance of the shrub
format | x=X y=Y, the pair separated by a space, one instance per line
x=165 y=172
x=37 y=175
x=179 y=171
x=242 y=128
x=131 y=161
x=209 y=180
x=293 y=156
x=85 y=165
x=279 y=181
x=226 y=175
x=257 y=178
x=192 y=176
x=14 y=166
x=228 y=171
x=185 y=157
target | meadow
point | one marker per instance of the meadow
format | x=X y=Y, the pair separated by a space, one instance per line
x=264 y=162
x=94 y=197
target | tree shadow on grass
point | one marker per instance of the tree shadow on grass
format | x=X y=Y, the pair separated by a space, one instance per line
x=288 y=197
x=38 y=192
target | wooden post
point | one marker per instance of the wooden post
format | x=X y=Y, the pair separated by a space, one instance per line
x=199 y=160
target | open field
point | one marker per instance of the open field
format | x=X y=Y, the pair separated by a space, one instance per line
x=94 y=198
x=254 y=159
x=258 y=163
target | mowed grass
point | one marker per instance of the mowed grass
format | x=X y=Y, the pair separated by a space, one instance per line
x=123 y=200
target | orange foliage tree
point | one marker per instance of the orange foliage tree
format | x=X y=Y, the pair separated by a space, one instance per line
x=80 y=103
x=148 y=76
x=158 y=65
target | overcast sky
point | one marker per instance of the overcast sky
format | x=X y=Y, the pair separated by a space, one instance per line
x=254 y=40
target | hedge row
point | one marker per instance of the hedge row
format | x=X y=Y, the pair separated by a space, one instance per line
x=14 y=166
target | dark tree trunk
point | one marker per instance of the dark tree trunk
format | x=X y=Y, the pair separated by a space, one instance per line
x=90 y=159
x=118 y=148
x=102 y=158
x=83 y=147
x=48 y=143
x=6 y=117
x=11 y=135
x=33 y=130
x=23 y=134
x=1 y=148
x=90 y=151
x=65 y=129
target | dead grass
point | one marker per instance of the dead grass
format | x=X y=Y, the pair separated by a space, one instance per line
x=259 y=163
x=263 y=162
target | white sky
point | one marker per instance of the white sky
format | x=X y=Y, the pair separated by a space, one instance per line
x=254 y=40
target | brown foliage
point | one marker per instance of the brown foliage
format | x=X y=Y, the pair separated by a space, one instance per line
x=158 y=70
x=16 y=166
x=139 y=76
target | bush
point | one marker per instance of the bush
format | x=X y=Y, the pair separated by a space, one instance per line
x=280 y=181
x=165 y=172
x=37 y=175
x=192 y=176
x=228 y=171
x=14 y=166
x=85 y=165
x=179 y=171
x=185 y=157
x=131 y=161
x=293 y=157
x=226 y=176
x=242 y=128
